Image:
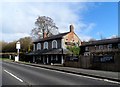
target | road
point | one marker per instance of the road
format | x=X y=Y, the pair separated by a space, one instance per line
x=20 y=74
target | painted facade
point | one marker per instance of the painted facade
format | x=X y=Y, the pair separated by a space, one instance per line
x=50 y=50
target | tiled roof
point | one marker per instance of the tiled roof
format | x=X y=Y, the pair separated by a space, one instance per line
x=52 y=37
x=100 y=42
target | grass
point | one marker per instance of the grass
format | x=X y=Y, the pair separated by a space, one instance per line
x=5 y=59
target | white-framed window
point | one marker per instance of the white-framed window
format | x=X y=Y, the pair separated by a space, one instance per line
x=86 y=49
x=33 y=47
x=45 y=45
x=95 y=47
x=118 y=45
x=38 y=46
x=100 y=47
x=56 y=58
x=109 y=46
x=54 y=44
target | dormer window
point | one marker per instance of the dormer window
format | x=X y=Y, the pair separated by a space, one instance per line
x=86 y=49
x=100 y=47
x=109 y=46
x=119 y=46
x=54 y=44
x=38 y=46
x=45 y=45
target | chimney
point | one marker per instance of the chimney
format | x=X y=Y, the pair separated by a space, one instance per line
x=44 y=34
x=71 y=28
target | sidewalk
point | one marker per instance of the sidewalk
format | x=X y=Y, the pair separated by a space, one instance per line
x=115 y=76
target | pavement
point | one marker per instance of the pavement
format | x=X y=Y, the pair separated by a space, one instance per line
x=16 y=74
x=114 y=76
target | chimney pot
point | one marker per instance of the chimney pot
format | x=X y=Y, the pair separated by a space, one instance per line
x=71 y=28
x=44 y=34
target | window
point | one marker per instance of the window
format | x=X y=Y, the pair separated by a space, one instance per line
x=118 y=45
x=86 y=48
x=56 y=58
x=95 y=47
x=100 y=47
x=33 y=47
x=109 y=46
x=38 y=46
x=45 y=45
x=54 y=44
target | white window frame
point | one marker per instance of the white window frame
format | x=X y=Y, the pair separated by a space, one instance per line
x=46 y=47
x=38 y=46
x=110 y=46
x=56 y=58
x=33 y=47
x=101 y=47
x=118 y=45
x=55 y=44
x=86 y=48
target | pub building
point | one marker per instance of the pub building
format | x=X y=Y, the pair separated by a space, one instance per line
x=53 y=49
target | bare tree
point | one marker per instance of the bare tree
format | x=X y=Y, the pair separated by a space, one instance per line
x=44 y=23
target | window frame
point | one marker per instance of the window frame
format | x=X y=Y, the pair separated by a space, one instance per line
x=118 y=45
x=101 y=47
x=45 y=47
x=38 y=46
x=34 y=48
x=86 y=48
x=55 y=44
x=110 y=46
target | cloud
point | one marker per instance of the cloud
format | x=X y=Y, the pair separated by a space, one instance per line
x=16 y=36
x=19 y=17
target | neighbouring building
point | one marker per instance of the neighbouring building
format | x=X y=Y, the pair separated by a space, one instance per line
x=101 y=54
x=53 y=49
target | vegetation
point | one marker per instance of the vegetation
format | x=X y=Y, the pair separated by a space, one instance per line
x=74 y=49
x=26 y=45
x=46 y=24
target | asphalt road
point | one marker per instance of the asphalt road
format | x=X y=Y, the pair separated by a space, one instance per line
x=20 y=74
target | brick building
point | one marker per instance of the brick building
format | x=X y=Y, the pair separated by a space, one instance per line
x=53 y=49
x=101 y=54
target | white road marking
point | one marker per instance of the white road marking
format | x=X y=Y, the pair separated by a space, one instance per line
x=111 y=81
x=106 y=80
x=14 y=76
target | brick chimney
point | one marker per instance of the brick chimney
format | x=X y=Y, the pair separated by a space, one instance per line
x=44 y=34
x=71 y=28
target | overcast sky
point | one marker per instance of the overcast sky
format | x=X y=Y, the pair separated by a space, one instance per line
x=90 y=19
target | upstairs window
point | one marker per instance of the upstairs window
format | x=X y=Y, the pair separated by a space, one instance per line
x=86 y=49
x=54 y=44
x=118 y=45
x=100 y=47
x=45 y=45
x=109 y=46
x=38 y=46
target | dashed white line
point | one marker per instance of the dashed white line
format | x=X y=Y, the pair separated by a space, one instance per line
x=14 y=76
x=106 y=80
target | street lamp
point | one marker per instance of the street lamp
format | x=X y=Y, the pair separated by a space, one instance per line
x=18 y=48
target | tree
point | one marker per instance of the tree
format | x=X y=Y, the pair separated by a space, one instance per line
x=9 y=47
x=74 y=49
x=2 y=45
x=46 y=24
x=26 y=45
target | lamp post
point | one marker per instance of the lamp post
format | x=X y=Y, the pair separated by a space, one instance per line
x=18 y=48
